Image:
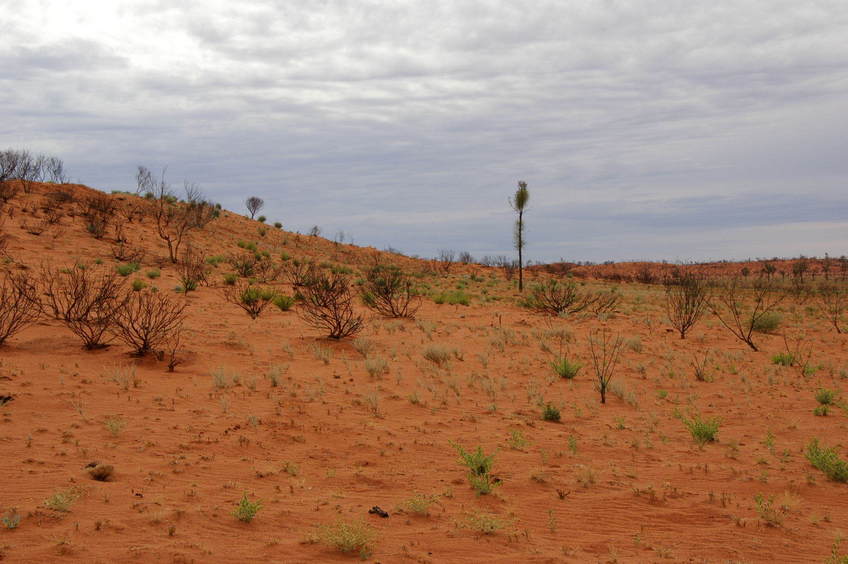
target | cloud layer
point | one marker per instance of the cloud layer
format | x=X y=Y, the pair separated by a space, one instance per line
x=644 y=129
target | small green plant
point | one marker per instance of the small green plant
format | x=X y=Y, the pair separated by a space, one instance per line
x=767 y=323
x=565 y=368
x=550 y=413
x=246 y=510
x=783 y=359
x=484 y=523
x=138 y=285
x=215 y=260
x=349 y=537
x=62 y=500
x=702 y=430
x=826 y=397
x=127 y=268
x=821 y=411
x=517 y=440
x=154 y=273
x=826 y=460
x=767 y=511
x=115 y=425
x=285 y=303
x=456 y=297
x=479 y=466
x=419 y=504
x=230 y=278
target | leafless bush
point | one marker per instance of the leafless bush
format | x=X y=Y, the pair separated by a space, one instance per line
x=645 y=275
x=8 y=190
x=149 y=320
x=191 y=268
x=728 y=305
x=125 y=252
x=267 y=270
x=556 y=297
x=86 y=300
x=19 y=304
x=603 y=301
x=833 y=299
x=686 y=299
x=390 y=292
x=300 y=272
x=604 y=350
x=97 y=210
x=447 y=258
x=328 y=304
x=175 y=219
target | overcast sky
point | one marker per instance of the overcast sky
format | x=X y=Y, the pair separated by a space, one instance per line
x=645 y=129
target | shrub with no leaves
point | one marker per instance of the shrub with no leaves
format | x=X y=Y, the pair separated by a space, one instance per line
x=149 y=320
x=686 y=299
x=557 y=297
x=390 y=292
x=729 y=307
x=85 y=300
x=191 y=269
x=299 y=272
x=328 y=304
x=19 y=304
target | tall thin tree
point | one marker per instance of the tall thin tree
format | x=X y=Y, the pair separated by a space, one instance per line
x=519 y=203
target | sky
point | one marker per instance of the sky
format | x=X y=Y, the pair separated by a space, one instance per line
x=644 y=129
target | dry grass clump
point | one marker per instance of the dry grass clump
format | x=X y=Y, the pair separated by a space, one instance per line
x=349 y=537
x=62 y=500
x=101 y=472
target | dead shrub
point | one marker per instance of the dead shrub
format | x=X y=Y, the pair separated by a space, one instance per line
x=728 y=305
x=101 y=472
x=299 y=272
x=97 y=210
x=191 y=269
x=686 y=299
x=175 y=219
x=390 y=292
x=148 y=320
x=86 y=300
x=556 y=297
x=19 y=304
x=328 y=304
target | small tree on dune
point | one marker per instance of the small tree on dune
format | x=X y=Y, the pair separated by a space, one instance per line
x=253 y=205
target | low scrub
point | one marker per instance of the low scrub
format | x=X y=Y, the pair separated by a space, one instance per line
x=702 y=430
x=827 y=460
x=349 y=537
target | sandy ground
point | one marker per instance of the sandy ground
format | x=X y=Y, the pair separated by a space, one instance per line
x=620 y=482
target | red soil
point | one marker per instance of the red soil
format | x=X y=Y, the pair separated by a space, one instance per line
x=617 y=482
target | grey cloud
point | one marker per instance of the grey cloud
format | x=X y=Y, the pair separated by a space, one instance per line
x=408 y=123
